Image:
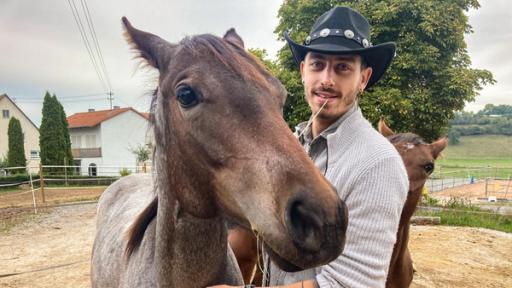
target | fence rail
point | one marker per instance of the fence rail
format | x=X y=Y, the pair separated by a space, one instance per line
x=497 y=180
x=50 y=177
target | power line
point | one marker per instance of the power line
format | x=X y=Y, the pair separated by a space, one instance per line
x=85 y=39
x=94 y=49
x=91 y=99
x=96 y=42
x=65 y=97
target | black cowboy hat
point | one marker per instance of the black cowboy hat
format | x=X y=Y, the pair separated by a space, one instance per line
x=343 y=30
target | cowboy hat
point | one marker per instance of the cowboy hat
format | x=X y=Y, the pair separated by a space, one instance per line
x=342 y=31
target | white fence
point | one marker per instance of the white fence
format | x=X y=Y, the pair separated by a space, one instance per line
x=54 y=177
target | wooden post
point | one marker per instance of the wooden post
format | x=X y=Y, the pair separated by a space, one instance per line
x=41 y=181
x=144 y=167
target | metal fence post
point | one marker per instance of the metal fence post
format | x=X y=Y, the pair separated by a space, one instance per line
x=441 y=176
x=508 y=185
x=65 y=172
x=486 y=189
x=32 y=189
x=41 y=181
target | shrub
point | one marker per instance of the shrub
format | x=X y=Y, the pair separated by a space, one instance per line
x=124 y=172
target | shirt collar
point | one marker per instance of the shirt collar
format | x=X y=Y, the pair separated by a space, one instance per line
x=307 y=137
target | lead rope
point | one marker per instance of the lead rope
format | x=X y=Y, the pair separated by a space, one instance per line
x=259 y=254
x=311 y=119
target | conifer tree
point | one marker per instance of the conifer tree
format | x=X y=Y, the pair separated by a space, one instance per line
x=16 y=153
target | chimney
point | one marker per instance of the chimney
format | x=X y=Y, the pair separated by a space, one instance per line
x=90 y=110
x=117 y=107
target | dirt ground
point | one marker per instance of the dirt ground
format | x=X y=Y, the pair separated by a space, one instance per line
x=62 y=237
x=477 y=190
x=53 y=250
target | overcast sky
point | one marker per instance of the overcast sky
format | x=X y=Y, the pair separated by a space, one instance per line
x=41 y=48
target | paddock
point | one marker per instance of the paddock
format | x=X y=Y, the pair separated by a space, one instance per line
x=52 y=249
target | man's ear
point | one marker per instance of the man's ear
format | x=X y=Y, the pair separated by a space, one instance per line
x=384 y=129
x=156 y=51
x=232 y=37
x=366 y=73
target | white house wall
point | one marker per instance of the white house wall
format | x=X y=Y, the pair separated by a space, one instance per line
x=78 y=138
x=82 y=133
x=30 y=133
x=120 y=134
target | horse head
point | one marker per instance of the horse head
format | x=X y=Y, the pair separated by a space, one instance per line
x=418 y=157
x=223 y=148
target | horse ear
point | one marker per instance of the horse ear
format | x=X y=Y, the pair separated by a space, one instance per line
x=438 y=146
x=384 y=129
x=151 y=47
x=232 y=37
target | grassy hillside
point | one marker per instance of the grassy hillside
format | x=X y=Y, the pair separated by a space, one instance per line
x=478 y=148
x=494 y=151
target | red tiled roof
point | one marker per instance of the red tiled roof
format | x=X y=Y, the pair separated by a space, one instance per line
x=91 y=119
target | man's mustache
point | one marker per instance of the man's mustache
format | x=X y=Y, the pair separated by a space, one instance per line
x=329 y=90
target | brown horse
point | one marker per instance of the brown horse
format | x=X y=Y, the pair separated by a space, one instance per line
x=223 y=151
x=418 y=158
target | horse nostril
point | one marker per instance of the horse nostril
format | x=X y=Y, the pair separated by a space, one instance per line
x=304 y=225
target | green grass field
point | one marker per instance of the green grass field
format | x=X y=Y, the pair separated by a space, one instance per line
x=492 y=154
x=460 y=212
x=493 y=147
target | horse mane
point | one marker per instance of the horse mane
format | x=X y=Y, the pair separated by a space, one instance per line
x=407 y=138
x=138 y=228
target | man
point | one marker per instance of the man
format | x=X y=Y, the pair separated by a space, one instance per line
x=337 y=63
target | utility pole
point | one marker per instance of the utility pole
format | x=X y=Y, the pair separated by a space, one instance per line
x=110 y=98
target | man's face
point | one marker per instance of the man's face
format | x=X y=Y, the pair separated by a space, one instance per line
x=336 y=79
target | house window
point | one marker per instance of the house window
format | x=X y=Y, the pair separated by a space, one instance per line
x=90 y=141
x=76 y=141
x=5 y=114
x=93 y=170
x=34 y=154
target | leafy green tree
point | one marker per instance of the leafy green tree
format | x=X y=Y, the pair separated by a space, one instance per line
x=141 y=152
x=453 y=137
x=491 y=109
x=53 y=134
x=431 y=76
x=16 y=153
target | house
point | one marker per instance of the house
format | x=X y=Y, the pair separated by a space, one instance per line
x=102 y=141
x=30 y=132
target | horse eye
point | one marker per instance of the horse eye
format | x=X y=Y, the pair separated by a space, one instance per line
x=429 y=168
x=186 y=97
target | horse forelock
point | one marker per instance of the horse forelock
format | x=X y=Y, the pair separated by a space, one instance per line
x=407 y=138
x=231 y=56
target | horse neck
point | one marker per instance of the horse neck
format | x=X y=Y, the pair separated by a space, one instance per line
x=189 y=251
x=402 y=235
